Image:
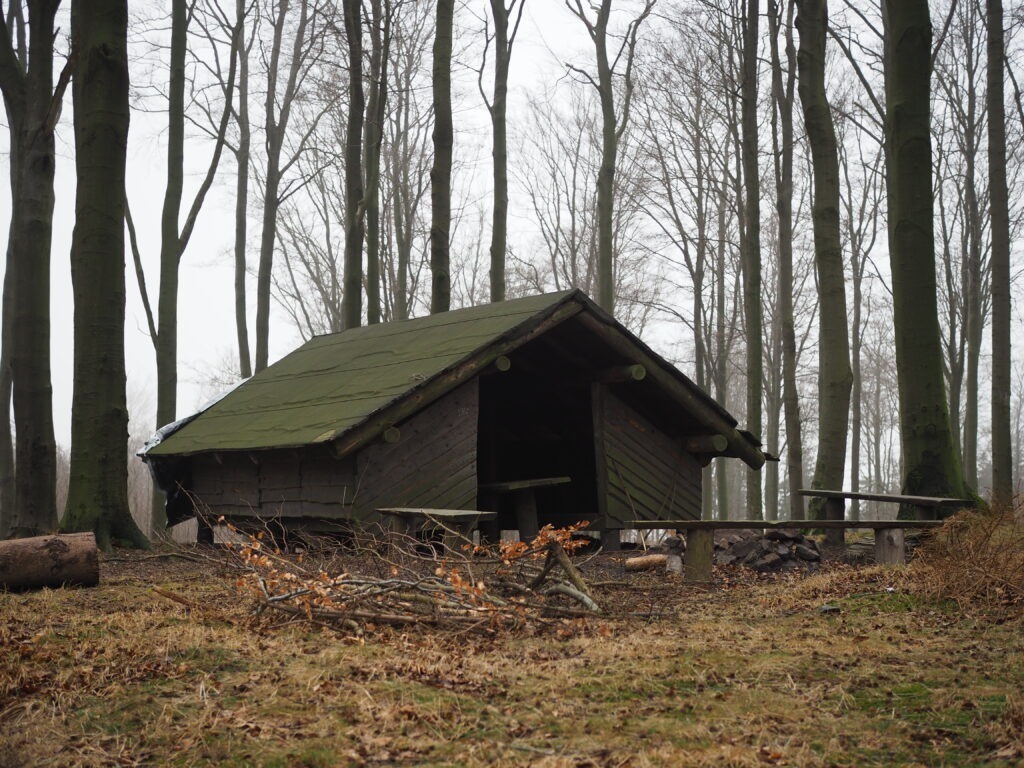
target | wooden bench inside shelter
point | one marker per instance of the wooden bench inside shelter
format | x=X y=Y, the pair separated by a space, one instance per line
x=700 y=537
x=524 y=500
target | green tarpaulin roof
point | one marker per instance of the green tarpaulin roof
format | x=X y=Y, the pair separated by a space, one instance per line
x=345 y=388
x=337 y=381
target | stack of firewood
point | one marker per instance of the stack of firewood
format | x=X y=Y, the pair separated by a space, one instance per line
x=774 y=550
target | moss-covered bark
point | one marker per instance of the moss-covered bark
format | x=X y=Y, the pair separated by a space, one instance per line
x=834 y=376
x=930 y=464
x=441 y=172
x=98 y=495
x=27 y=85
x=1002 y=459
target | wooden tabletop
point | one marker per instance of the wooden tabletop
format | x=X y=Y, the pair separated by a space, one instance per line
x=525 y=485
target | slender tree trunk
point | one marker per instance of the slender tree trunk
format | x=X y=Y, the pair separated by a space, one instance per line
x=973 y=331
x=380 y=44
x=98 y=491
x=352 y=302
x=721 y=350
x=242 y=197
x=497 y=109
x=441 y=172
x=606 y=171
x=28 y=96
x=1002 y=452
x=930 y=464
x=751 y=246
x=834 y=375
x=166 y=341
x=783 y=96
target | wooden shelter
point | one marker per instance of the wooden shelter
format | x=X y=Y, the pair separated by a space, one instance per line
x=545 y=400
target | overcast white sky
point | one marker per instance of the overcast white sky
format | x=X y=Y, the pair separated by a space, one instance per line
x=206 y=331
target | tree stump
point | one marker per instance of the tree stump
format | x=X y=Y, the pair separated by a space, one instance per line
x=49 y=561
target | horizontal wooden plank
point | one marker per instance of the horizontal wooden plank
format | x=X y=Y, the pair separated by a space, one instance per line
x=800 y=525
x=917 y=501
x=524 y=485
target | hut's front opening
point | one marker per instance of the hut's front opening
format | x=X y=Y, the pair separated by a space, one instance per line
x=536 y=425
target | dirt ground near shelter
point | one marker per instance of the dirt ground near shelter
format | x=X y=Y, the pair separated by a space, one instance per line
x=163 y=664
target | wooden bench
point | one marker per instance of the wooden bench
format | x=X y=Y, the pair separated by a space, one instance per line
x=700 y=537
x=454 y=523
x=524 y=500
x=836 y=508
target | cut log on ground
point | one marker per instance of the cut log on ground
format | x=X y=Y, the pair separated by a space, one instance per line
x=646 y=562
x=49 y=561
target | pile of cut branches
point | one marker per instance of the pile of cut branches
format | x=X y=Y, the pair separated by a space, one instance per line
x=470 y=588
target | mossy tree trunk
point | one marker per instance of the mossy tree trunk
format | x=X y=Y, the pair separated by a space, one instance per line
x=98 y=491
x=783 y=92
x=1002 y=458
x=497 y=107
x=834 y=375
x=352 y=302
x=930 y=464
x=382 y=12
x=27 y=85
x=441 y=172
x=751 y=244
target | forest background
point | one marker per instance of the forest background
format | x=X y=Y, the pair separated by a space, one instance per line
x=682 y=202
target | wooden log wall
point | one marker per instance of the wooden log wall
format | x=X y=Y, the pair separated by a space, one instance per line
x=648 y=474
x=432 y=464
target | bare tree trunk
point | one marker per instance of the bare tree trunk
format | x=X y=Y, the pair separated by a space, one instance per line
x=242 y=156
x=441 y=173
x=613 y=125
x=783 y=97
x=277 y=114
x=751 y=246
x=98 y=491
x=30 y=101
x=376 y=111
x=930 y=465
x=352 y=303
x=834 y=376
x=1002 y=452
x=503 y=41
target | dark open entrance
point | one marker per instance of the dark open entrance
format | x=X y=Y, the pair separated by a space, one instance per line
x=536 y=423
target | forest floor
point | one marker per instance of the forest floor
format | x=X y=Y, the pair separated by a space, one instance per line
x=163 y=664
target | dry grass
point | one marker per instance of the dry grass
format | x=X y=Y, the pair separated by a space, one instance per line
x=751 y=674
x=976 y=559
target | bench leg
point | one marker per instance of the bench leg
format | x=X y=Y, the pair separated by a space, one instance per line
x=889 y=547
x=526 y=514
x=700 y=546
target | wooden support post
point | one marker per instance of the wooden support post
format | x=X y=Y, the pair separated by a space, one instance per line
x=890 y=548
x=700 y=544
x=526 y=514
x=611 y=540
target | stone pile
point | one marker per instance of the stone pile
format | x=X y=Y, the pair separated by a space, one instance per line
x=780 y=549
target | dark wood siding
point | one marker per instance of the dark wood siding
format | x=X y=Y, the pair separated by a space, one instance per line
x=432 y=465
x=649 y=475
x=291 y=483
